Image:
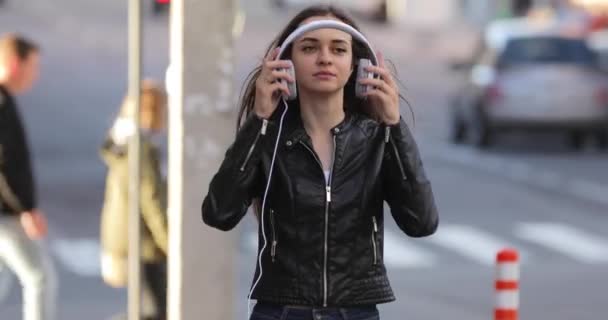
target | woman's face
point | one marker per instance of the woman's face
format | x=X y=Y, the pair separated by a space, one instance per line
x=322 y=59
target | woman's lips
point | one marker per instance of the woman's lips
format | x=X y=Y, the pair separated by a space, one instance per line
x=324 y=75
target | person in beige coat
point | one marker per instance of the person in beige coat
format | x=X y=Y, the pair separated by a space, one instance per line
x=115 y=212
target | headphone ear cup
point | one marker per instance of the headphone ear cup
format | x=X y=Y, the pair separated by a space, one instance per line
x=361 y=89
x=293 y=88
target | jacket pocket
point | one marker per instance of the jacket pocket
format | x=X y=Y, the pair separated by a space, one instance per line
x=375 y=240
x=273 y=248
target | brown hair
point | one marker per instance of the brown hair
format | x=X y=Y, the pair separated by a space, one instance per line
x=16 y=45
x=153 y=106
x=360 y=50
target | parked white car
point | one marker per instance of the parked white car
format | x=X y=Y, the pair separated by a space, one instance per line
x=538 y=82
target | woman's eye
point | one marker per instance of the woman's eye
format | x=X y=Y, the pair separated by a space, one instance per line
x=340 y=50
x=308 y=49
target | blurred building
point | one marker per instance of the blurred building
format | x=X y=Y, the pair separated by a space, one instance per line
x=443 y=13
x=594 y=6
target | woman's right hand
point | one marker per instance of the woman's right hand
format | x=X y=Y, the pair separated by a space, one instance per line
x=268 y=90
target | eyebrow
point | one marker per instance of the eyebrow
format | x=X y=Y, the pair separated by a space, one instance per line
x=339 y=41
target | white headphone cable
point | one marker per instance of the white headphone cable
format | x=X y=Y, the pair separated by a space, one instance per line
x=274 y=154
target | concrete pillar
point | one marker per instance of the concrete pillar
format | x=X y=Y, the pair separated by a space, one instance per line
x=201 y=125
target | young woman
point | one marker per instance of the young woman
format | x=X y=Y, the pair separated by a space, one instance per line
x=338 y=158
x=115 y=213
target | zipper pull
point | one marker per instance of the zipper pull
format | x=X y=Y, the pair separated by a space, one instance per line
x=273 y=249
x=375 y=224
x=387 y=134
x=264 y=127
x=328 y=193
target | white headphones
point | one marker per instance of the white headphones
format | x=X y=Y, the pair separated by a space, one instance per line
x=359 y=89
x=330 y=24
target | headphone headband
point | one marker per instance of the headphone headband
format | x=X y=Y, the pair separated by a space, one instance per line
x=327 y=24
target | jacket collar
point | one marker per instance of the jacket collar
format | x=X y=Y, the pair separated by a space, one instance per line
x=295 y=126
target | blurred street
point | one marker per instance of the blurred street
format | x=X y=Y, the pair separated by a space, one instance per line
x=530 y=191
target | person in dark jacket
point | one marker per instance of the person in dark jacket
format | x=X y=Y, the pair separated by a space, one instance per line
x=153 y=199
x=338 y=159
x=22 y=224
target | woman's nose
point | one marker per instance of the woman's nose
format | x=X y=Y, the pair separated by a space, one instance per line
x=324 y=56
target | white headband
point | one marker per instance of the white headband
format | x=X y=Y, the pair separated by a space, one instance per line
x=327 y=24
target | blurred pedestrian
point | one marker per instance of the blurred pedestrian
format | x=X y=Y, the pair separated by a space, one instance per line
x=115 y=213
x=22 y=224
x=339 y=157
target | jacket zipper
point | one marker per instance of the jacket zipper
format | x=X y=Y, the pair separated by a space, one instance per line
x=398 y=159
x=274 y=236
x=327 y=202
x=374 y=244
x=262 y=132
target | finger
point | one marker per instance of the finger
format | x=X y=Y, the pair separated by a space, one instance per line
x=272 y=54
x=378 y=84
x=381 y=62
x=278 y=87
x=378 y=94
x=280 y=74
x=384 y=74
x=277 y=64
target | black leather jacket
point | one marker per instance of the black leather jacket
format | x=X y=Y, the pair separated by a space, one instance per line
x=325 y=240
x=17 y=186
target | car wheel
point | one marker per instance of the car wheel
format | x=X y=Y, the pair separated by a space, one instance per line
x=602 y=139
x=480 y=132
x=458 y=129
x=576 y=140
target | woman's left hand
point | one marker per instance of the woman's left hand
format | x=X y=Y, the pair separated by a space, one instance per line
x=384 y=93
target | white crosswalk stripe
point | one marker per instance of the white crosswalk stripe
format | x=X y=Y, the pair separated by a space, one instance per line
x=80 y=256
x=401 y=253
x=481 y=247
x=470 y=242
x=567 y=240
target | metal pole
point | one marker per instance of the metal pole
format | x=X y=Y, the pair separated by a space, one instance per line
x=200 y=104
x=134 y=78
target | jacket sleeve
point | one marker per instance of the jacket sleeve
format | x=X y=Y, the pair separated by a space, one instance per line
x=16 y=177
x=406 y=188
x=237 y=182
x=153 y=199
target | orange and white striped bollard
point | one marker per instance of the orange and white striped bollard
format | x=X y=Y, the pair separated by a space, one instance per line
x=507 y=285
